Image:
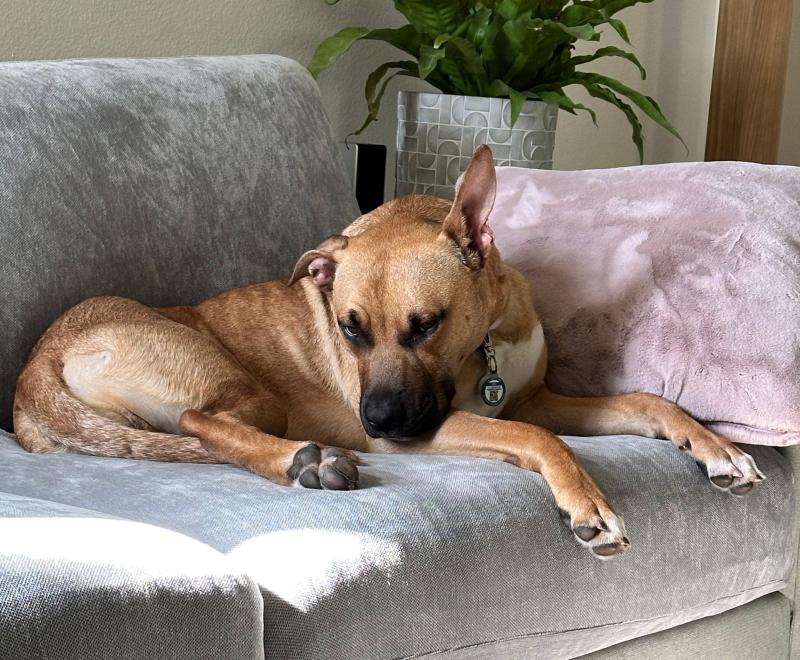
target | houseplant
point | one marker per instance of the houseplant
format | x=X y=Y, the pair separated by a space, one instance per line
x=517 y=51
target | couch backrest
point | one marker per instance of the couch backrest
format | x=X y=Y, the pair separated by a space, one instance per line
x=162 y=180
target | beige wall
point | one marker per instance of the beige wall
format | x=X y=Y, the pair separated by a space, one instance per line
x=789 y=151
x=674 y=39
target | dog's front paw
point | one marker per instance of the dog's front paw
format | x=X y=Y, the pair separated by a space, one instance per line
x=727 y=467
x=337 y=469
x=597 y=527
x=329 y=468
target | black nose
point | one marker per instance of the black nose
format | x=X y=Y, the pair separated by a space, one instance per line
x=397 y=413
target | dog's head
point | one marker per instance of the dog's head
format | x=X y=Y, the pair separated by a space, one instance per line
x=414 y=287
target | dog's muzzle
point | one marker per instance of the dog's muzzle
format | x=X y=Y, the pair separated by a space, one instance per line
x=396 y=413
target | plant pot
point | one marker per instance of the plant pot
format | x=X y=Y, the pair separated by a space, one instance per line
x=437 y=133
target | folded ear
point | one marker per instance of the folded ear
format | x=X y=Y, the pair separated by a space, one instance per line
x=320 y=263
x=466 y=223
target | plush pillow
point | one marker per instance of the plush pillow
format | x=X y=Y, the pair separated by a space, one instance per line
x=682 y=280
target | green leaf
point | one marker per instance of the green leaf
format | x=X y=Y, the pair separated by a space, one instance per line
x=581 y=14
x=645 y=103
x=432 y=17
x=566 y=103
x=478 y=24
x=405 y=38
x=509 y=9
x=501 y=89
x=374 y=94
x=539 y=47
x=428 y=58
x=633 y=120
x=622 y=31
x=449 y=77
x=610 y=51
x=585 y=32
x=611 y=7
x=465 y=51
x=332 y=48
x=549 y=8
x=441 y=40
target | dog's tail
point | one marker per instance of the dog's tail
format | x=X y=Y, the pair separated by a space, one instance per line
x=49 y=418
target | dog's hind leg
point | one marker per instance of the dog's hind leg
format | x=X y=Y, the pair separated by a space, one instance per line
x=132 y=383
x=648 y=415
x=234 y=418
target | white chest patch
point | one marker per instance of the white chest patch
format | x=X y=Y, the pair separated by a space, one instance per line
x=516 y=364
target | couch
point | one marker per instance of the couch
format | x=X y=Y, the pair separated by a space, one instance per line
x=170 y=180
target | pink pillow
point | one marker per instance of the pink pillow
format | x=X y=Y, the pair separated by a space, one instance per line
x=682 y=280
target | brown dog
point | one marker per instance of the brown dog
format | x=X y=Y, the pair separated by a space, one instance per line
x=374 y=344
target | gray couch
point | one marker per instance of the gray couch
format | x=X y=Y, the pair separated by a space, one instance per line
x=171 y=180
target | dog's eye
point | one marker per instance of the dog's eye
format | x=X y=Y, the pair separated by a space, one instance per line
x=422 y=329
x=426 y=327
x=350 y=331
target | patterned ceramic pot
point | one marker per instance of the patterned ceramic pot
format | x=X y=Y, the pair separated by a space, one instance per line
x=437 y=133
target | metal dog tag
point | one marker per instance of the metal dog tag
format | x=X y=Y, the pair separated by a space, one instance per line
x=492 y=389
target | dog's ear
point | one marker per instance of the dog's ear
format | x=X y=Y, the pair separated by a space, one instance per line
x=466 y=223
x=320 y=263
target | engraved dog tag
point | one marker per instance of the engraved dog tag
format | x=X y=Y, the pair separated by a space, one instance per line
x=493 y=390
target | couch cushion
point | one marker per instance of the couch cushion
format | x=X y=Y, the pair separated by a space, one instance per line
x=161 y=180
x=437 y=553
x=75 y=583
x=680 y=279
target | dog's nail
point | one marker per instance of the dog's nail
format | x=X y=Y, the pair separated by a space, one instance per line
x=565 y=517
x=702 y=467
x=586 y=533
x=722 y=480
x=309 y=478
x=608 y=549
x=308 y=455
x=626 y=541
x=742 y=489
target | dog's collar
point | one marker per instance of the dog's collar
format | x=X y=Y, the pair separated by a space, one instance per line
x=491 y=387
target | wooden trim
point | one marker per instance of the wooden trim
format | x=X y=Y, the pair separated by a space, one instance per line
x=744 y=119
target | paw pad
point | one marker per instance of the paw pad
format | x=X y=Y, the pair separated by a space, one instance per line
x=329 y=468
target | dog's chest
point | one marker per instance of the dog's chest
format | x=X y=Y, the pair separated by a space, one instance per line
x=516 y=365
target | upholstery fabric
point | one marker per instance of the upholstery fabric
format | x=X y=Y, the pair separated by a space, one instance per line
x=681 y=279
x=166 y=181
x=792 y=591
x=756 y=631
x=438 y=553
x=75 y=583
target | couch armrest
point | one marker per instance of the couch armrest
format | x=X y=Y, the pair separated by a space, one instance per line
x=792 y=592
x=75 y=583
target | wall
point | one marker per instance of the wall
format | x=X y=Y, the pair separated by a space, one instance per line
x=674 y=39
x=789 y=151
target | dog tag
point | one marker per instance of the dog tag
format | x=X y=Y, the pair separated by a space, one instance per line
x=493 y=390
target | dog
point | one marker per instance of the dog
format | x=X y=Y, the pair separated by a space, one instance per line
x=406 y=333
